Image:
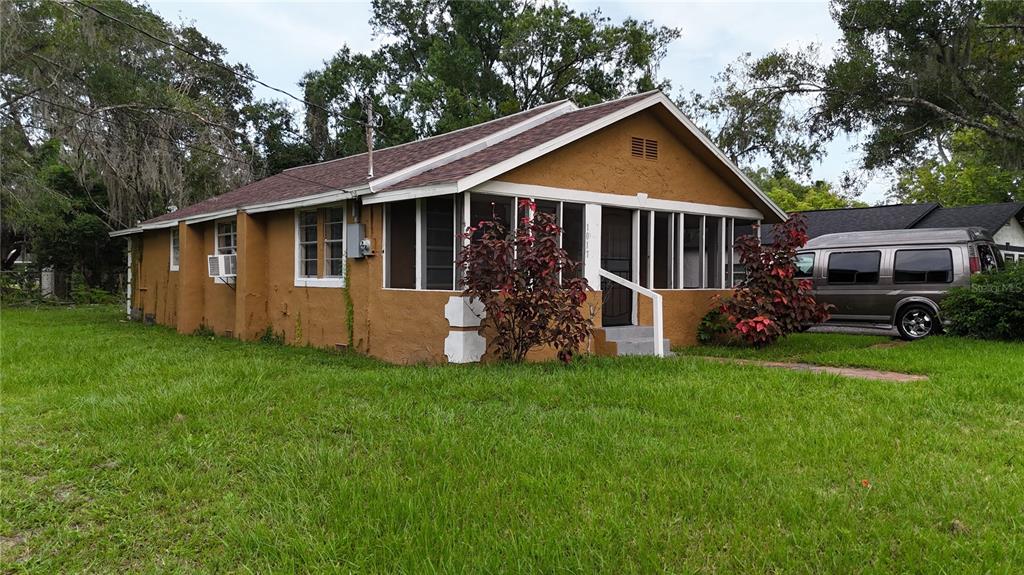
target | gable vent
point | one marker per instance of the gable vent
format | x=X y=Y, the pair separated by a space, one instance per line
x=642 y=148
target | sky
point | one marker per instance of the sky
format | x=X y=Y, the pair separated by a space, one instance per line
x=281 y=41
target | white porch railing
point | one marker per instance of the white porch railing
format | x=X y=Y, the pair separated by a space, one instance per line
x=659 y=326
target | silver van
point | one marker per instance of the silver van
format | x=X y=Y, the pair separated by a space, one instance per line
x=894 y=278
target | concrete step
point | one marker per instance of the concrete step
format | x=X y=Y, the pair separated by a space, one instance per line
x=626 y=332
x=639 y=346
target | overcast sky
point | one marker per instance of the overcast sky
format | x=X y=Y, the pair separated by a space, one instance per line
x=281 y=41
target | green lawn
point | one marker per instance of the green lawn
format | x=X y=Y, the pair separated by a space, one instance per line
x=132 y=448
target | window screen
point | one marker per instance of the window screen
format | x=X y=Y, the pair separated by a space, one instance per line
x=923 y=266
x=334 y=246
x=692 y=260
x=401 y=245
x=853 y=267
x=439 y=243
x=572 y=234
x=713 y=251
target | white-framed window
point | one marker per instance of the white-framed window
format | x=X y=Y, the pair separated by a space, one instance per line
x=175 y=249
x=227 y=237
x=320 y=246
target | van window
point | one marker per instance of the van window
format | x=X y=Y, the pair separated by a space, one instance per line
x=853 y=267
x=804 y=265
x=923 y=266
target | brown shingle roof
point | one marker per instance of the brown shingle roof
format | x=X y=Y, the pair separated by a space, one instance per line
x=517 y=144
x=349 y=171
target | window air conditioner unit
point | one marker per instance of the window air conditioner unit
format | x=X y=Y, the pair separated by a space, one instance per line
x=222 y=266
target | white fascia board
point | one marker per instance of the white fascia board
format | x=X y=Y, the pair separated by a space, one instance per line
x=718 y=154
x=160 y=225
x=533 y=153
x=637 y=202
x=304 y=201
x=212 y=216
x=470 y=148
x=410 y=194
x=125 y=232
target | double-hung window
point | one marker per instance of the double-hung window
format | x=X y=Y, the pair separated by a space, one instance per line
x=320 y=247
x=175 y=249
x=227 y=244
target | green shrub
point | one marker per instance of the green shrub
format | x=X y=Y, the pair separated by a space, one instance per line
x=269 y=337
x=204 y=331
x=991 y=308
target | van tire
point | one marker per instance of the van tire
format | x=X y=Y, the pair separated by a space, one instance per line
x=916 y=321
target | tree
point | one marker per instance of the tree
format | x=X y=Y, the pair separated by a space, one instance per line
x=979 y=171
x=907 y=75
x=450 y=64
x=527 y=285
x=792 y=196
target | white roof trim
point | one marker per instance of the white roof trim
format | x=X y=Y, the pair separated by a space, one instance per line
x=125 y=232
x=470 y=148
x=410 y=194
x=324 y=198
x=656 y=98
x=721 y=156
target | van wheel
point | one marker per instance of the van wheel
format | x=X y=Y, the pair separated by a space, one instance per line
x=916 y=321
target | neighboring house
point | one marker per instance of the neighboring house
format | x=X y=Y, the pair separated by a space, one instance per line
x=331 y=257
x=1004 y=221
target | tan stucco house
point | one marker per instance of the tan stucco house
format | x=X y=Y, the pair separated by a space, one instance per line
x=331 y=257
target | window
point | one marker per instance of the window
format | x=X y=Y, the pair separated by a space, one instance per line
x=741 y=228
x=923 y=266
x=853 y=267
x=227 y=238
x=175 y=249
x=308 y=259
x=989 y=260
x=400 y=249
x=804 y=265
x=573 y=234
x=334 y=243
x=664 y=250
x=320 y=247
x=227 y=244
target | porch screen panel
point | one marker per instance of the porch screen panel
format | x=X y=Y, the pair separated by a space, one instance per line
x=486 y=208
x=692 y=260
x=645 y=251
x=663 y=250
x=741 y=228
x=439 y=242
x=401 y=249
x=573 y=234
x=713 y=251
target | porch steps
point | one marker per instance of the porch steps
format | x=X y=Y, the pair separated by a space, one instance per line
x=633 y=339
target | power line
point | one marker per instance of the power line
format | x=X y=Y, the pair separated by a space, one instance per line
x=249 y=77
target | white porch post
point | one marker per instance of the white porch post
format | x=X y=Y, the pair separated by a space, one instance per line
x=592 y=245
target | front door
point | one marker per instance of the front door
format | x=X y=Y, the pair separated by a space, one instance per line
x=616 y=257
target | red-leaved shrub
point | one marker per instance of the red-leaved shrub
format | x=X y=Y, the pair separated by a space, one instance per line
x=527 y=284
x=771 y=303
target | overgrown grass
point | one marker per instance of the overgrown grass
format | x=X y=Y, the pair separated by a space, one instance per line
x=132 y=448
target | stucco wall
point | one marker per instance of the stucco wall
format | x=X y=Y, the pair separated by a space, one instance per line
x=682 y=311
x=154 y=286
x=601 y=162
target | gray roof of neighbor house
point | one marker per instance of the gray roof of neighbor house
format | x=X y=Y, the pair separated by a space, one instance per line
x=992 y=217
x=894 y=217
x=452 y=161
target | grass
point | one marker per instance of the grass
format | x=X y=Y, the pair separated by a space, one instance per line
x=132 y=448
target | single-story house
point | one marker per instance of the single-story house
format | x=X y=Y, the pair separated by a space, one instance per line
x=1005 y=221
x=336 y=255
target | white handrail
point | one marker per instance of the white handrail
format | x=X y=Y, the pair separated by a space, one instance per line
x=659 y=327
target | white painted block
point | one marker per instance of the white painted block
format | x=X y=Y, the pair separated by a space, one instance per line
x=461 y=312
x=464 y=346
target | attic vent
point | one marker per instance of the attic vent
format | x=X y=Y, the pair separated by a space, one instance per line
x=641 y=148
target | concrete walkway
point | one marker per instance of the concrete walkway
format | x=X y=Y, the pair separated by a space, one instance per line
x=813 y=368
